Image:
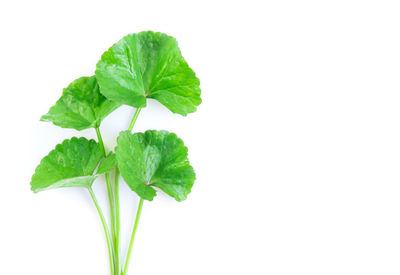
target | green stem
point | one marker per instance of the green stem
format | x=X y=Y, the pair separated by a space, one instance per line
x=117 y=216
x=106 y=231
x=135 y=116
x=139 y=211
x=112 y=205
x=101 y=143
x=116 y=194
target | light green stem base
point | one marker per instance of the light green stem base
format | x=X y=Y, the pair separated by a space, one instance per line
x=106 y=231
x=135 y=226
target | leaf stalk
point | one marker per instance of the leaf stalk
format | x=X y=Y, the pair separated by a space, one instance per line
x=116 y=197
x=106 y=230
x=135 y=226
x=111 y=198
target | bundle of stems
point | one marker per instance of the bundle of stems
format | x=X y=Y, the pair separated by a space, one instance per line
x=113 y=238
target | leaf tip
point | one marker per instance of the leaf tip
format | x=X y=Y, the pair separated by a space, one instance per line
x=44 y=118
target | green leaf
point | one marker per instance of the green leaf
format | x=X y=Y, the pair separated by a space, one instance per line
x=155 y=159
x=71 y=164
x=81 y=106
x=107 y=164
x=148 y=65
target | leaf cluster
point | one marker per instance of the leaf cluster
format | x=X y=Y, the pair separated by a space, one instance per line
x=141 y=66
x=136 y=68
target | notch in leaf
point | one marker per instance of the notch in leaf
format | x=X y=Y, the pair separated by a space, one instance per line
x=81 y=106
x=155 y=159
x=148 y=65
x=107 y=164
x=71 y=164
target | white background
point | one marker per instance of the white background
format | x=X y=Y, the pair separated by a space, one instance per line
x=296 y=144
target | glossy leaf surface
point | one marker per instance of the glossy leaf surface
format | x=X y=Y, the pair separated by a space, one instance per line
x=81 y=106
x=71 y=164
x=155 y=159
x=148 y=65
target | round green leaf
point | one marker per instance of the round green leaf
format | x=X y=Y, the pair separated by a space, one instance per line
x=71 y=164
x=148 y=65
x=155 y=159
x=81 y=106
